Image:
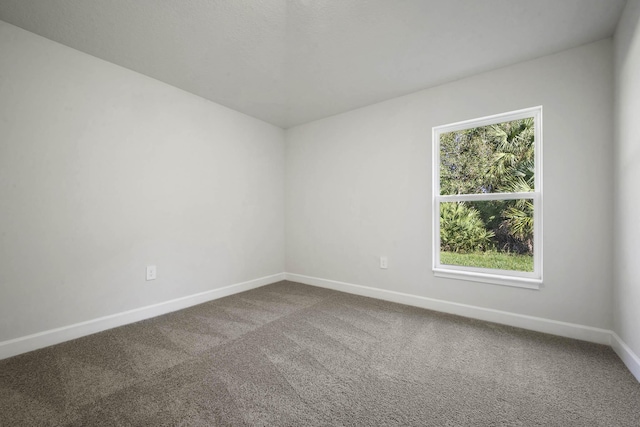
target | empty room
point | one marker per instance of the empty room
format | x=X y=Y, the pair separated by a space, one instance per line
x=319 y=212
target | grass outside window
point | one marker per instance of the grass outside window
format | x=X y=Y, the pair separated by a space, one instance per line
x=489 y=259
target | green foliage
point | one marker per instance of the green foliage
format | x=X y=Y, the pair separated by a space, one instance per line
x=461 y=229
x=514 y=153
x=518 y=214
x=464 y=160
x=493 y=159
x=520 y=220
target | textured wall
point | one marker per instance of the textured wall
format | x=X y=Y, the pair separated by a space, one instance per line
x=359 y=186
x=103 y=171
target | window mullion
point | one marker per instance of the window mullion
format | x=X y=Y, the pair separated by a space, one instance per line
x=485 y=197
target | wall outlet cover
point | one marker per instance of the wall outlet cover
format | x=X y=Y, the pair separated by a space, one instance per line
x=384 y=262
x=151 y=272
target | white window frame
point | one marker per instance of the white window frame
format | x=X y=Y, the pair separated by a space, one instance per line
x=530 y=280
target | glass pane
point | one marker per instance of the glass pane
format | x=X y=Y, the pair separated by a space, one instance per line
x=494 y=234
x=488 y=159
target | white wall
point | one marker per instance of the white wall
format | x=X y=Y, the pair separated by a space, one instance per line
x=627 y=175
x=358 y=185
x=104 y=171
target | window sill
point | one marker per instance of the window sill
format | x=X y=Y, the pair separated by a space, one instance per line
x=494 y=279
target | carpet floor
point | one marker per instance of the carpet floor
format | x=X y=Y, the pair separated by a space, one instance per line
x=294 y=355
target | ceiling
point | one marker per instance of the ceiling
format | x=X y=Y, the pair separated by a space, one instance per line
x=289 y=62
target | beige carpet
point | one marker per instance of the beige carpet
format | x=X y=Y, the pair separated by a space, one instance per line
x=294 y=355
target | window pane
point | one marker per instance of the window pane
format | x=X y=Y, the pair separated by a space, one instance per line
x=495 y=234
x=488 y=159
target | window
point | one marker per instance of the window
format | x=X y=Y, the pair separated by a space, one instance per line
x=487 y=199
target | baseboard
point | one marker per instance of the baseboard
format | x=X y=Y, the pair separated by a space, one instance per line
x=55 y=336
x=626 y=354
x=554 y=327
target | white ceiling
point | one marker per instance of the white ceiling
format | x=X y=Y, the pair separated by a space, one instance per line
x=292 y=61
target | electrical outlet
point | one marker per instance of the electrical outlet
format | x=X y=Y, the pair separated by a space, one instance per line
x=384 y=262
x=151 y=272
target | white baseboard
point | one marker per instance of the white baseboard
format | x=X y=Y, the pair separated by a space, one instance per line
x=554 y=327
x=55 y=336
x=587 y=333
x=626 y=354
